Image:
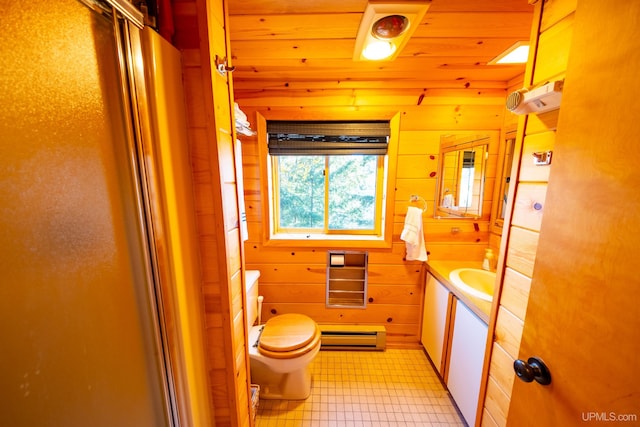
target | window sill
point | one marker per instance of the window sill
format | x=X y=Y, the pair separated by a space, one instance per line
x=327 y=241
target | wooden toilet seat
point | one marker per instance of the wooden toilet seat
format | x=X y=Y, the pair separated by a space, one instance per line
x=288 y=336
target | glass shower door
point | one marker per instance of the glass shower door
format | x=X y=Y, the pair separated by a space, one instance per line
x=78 y=331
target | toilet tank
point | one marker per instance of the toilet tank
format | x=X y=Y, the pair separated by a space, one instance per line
x=251 y=282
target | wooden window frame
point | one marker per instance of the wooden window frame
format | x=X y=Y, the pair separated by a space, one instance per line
x=378 y=218
x=381 y=237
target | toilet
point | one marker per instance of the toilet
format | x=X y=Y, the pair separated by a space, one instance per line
x=281 y=350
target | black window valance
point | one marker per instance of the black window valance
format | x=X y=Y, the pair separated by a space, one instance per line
x=328 y=137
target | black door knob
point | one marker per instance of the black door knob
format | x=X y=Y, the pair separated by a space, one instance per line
x=533 y=369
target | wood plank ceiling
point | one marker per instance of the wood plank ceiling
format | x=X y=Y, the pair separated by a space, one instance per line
x=280 y=45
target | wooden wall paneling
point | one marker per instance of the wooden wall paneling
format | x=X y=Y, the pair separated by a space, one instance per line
x=542 y=122
x=497 y=24
x=220 y=397
x=284 y=49
x=236 y=293
x=515 y=292
x=341 y=25
x=230 y=206
x=397 y=274
x=307 y=26
x=502 y=369
x=225 y=152
x=387 y=96
x=418 y=142
x=456 y=117
x=453 y=117
x=394 y=255
x=200 y=33
x=341 y=6
x=291 y=273
x=487 y=419
x=395 y=294
x=447 y=251
x=243 y=402
x=414 y=166
x=376 y=314
x=423 y=187
x=199 y=151
x=553 y=51
x=303 y=293
x=246 y=89
x=528 y=207
x=197 y=102
x=348 y=70
x=508 y=332
x=263 y=257
x=522 y=250
x=238 y=341
x=555 y=11
x=235 y=326
x=496 y=403
x=536 y=142
x=278 y=7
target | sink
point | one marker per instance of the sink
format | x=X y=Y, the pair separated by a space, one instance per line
x=475 y=282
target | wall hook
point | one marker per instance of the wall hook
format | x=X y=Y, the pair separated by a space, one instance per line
x=222 y=67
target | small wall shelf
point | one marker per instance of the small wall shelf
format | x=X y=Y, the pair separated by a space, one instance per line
x=346 y=279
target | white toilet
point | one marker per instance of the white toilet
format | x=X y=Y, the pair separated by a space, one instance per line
x=281 y=350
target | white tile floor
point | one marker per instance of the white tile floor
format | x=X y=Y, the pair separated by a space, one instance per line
x=396 y=387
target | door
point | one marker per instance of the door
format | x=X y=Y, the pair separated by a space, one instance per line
x=583 y=317
x=78 y=330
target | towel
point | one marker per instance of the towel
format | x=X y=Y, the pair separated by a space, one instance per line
x=413 y=236
x=244 y=229
x=447 y=202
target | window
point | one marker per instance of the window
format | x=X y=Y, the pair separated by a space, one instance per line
x=327 y=178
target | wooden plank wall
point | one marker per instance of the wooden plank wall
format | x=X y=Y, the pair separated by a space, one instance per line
x=200 y=34
x=293 y=278
x=553 y=32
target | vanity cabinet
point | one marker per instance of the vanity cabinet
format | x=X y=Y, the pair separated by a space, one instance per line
x=469 y=336
x=435 y=319
x=455 y=338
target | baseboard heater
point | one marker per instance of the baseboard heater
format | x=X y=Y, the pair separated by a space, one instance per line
x=353 y=337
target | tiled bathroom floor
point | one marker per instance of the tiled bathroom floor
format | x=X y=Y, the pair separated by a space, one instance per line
x=396 y=387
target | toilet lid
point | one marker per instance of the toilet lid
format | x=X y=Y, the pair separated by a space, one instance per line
x=288 y=332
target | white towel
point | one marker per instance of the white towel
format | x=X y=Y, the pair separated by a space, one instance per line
x=413 y=236
x=244 y=229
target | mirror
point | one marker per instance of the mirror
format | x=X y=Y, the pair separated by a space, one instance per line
x=463 y=161
x=503 y=180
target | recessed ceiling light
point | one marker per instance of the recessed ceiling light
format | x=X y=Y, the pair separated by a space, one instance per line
x=518 y=53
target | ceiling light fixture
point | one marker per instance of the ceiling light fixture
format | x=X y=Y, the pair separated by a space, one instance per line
x=518 y=53
x=386 y=27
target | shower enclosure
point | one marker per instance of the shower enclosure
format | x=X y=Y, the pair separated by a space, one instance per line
x=81 y=328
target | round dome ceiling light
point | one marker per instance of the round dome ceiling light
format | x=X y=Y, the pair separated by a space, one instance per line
x=389 y=27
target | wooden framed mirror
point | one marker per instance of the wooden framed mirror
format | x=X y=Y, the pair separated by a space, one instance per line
x=462 y=169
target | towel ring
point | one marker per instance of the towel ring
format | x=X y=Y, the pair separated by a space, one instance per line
x=414 y=198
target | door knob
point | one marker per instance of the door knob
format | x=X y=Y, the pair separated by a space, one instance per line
x=533 y=369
